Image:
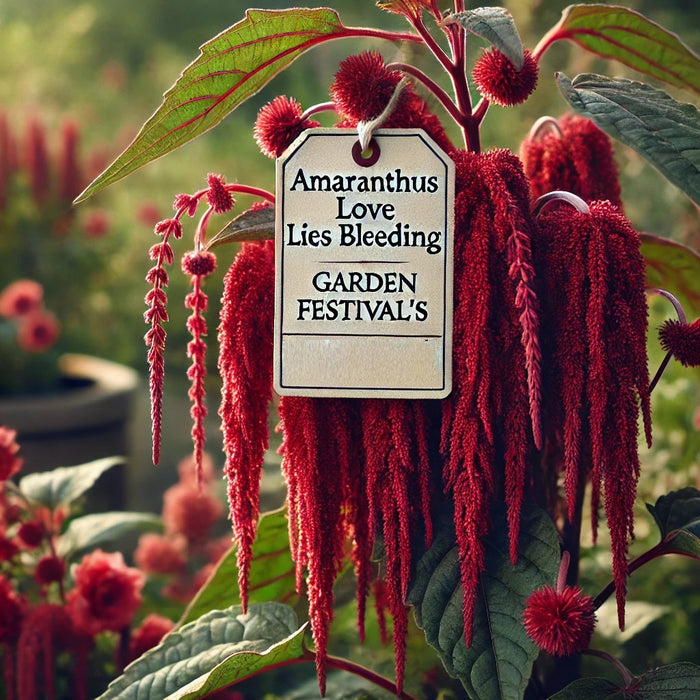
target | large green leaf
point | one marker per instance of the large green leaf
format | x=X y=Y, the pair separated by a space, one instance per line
x=676 y=682
x=624 y=35
x=220 y=648
x=678 y=516
x=662 y=130
x=231 y=67
x=98 y=529
x=673 y=267
x=271 y=571
x=496 y=25
x=499 y=662
x=61 y=486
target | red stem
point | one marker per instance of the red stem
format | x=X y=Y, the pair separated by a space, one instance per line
x=254 y=191
x=627 y=677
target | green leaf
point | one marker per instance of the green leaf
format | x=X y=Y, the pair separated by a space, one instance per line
x=222 y=647
x=61 y=486
x=676 y=682
x=626 y=36
x=95 y=530
x=499 y=662
x=271 y=571
x=496 y=25
x=231 y=67
x=673 y=267
x=677 y=515
x=662 y=130
x=251 y=225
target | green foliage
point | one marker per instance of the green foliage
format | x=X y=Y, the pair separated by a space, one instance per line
x=63 y=485
x=644 y=118
x=249 y=226
x=677 y=682
x=499 y=661
x=678 y=517
x=626 y=36
x=98 y=529
x=496 y=25
x=218 y=649
x=673 y=267
x=271 y=572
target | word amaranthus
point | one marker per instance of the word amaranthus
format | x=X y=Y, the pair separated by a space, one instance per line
x=468 y=507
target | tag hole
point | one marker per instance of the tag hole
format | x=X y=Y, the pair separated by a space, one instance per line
x=366 y=158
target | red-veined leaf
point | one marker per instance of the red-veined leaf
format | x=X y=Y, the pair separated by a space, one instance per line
x=626 y=36
x=231 y=67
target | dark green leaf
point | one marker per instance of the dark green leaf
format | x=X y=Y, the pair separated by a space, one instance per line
x=231 y=67
x=626 y=36
x=61 y=486
x=662 y=130
x=677 y=515
x=496 y=25
x=271 y=571
x=98 y=529
x=251 y=225
x=673 y=267
x=499 y=662
x=220 y=648
x=676 y=682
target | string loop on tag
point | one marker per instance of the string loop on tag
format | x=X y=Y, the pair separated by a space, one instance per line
x=365 y=130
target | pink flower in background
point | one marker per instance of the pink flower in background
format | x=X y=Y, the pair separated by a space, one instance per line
x=190 y=512
x=107 y=592
x=10 y=463
x=96 y=224
x=20 y=297
x=38 y=331
x=149 y=634
x=161 y=555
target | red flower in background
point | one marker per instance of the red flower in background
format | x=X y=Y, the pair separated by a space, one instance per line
x=161 y=554
x=107 y=593
x=21 y=297
x=38 y=331
x=191 y=512
x=149 y=634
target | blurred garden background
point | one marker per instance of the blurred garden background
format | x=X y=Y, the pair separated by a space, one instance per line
x=104 y=65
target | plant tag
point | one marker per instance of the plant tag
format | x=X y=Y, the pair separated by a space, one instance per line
x=364 y=248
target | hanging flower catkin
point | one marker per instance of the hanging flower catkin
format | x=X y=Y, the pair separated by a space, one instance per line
x=594 y=326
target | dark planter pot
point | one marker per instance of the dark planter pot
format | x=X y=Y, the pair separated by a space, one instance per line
x=86 y=421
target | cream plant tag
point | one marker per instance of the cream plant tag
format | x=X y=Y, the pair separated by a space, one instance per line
x=364 y=250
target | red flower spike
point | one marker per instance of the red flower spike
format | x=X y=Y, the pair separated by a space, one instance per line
x=245 y=366
x=595 y=306
x=499 y=82
x=682 y=340
x=37 y=161
x=199 y=266
x=70 y=178
x=487 y=424
x=219 y=198
x=278 y=124
x=561 y=623
x=575 y=156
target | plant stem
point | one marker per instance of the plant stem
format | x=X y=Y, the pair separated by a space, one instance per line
x=627 y=677
x=655 y=551
x=363 y=672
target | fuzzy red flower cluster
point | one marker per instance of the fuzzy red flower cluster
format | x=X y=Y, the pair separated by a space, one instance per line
x=278 y=124
x=560 y=622
x=682 y=340
x=107 y=593
x=498 y=80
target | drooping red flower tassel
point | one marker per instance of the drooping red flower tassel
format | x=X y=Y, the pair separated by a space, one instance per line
x=320 y=443
x=595 y=306
x=245 y=366
x=571 y=154
x=488 y=420
x=397 y=483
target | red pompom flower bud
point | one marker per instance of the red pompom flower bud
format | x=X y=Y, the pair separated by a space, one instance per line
x=682 y=340
x=278 y=124
x=499 y=82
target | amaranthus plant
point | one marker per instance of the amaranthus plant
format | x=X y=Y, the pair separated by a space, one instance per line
x=468 y=510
